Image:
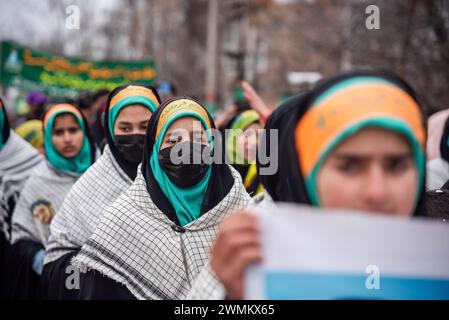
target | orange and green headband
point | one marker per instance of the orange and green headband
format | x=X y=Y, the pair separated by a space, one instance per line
x=130 y=95
x=62 y=108
x=181 y=108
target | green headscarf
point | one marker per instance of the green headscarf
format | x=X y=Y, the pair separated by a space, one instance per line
x=2 y=123
x=5 y=128
x=80 y=162
x=187 y=202
x=241 y=122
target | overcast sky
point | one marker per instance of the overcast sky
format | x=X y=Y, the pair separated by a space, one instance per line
x=35 y=23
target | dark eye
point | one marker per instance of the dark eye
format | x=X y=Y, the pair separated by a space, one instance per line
x=73 y=130
x=349 y=166
x=125 y=129
x=144 y=125
x=397 y=165
x=58 y=132
x=173 y=139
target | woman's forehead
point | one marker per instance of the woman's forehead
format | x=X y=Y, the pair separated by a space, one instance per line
x=133 y=112
x=253 y=126
x=189 y=123
x=65 y=118
x=373 y=140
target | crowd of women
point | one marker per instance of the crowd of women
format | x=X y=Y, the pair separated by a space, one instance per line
x=135 y=224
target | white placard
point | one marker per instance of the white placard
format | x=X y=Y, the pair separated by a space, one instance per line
x=313 y=253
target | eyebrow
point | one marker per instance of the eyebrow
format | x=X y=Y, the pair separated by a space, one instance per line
x=355 y=156
x=66 y=128
x=124 y=122
x=176 y=131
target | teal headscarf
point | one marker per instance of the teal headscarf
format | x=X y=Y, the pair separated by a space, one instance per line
x=187 y=202
x=80 y=162
x=2 y=124
x=132 y=94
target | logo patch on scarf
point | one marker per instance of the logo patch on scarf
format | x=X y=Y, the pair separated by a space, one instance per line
x=43 y=211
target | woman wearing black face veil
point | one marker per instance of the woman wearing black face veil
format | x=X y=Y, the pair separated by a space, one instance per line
x=102 y=183
x=152 y=242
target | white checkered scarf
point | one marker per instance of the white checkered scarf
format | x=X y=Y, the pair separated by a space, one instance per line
x=17 y=160
x=136 y=246
x=206 y=285
x=84 y=205
x=45 y=183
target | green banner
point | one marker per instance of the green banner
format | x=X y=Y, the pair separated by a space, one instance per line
x=59 y=76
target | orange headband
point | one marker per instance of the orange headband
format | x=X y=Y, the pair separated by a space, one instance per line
x=329 y=118
x=61 y=107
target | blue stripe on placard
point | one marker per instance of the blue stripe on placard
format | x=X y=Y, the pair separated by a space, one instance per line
x=317 y=286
